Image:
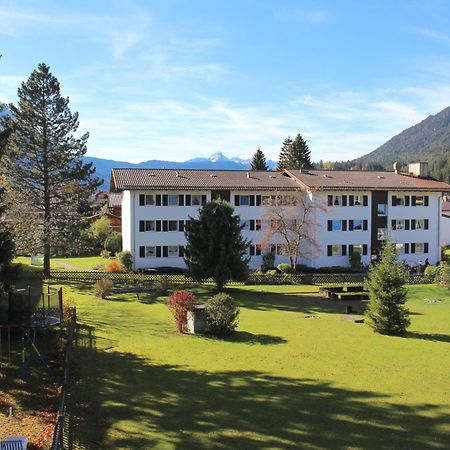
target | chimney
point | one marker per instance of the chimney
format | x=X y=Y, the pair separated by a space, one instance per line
x=248 y=174
x=395 y=166
x=419 y=169
x=177 y=174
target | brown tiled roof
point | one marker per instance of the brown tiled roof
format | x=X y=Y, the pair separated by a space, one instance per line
x=446 y=206
x=199 y=179
x=365 y=180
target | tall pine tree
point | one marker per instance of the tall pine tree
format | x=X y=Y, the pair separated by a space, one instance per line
x=215 y=246
x=295 y=154
x=44 y=159
x=259 y=161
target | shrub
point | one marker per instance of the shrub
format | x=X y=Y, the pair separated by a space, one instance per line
x=113 y=266
x=272 y=272
x=444 y=275
x=126 y=260
x=221 y=314
x=113 y=242
x=179 y=303
x=284 y=267
x=162 y=285
x=103 y=287
x=433 y=273
x=268 y=260
x=105 y=254
x=355 y=260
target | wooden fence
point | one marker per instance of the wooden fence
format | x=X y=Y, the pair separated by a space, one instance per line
x=277 y=279
x=59 y=434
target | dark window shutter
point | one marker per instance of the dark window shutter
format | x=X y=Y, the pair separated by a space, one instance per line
x=351 y=200
x=142 y=252
x=350 y=225
x=394 y=200
x=426 y=224
x=204 y=199
x=252 y=225
x=365 y=225
x=406 y=248
x=413 y=247
x=407 y=224
x=350 y=249
x=344 y=250
x=258 y=200
x=329 y=250
x=236 y=200
x=181 y=251
x=158 y=199
x=413 y=224
x=413 y=201
x=330 y=225
x=406 y=200
x=273 y=248
x=181 y=200
x=142 y=225
x=252 y=250
x=181 y=225
x=165 y=199
x=165 y=251
x=394 y=224
x=158 y=252
x=252 y=200
x=165 y=225
x=330 y=200
x=344 y=225
x=158 y=225
x=188 y=199
x=364 y=249
x=365 y=200
x=426 y=200
x=344 y=200
x=425 y=247
x=141 y=199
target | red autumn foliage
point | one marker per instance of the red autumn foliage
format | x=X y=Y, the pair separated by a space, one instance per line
x=179 y=303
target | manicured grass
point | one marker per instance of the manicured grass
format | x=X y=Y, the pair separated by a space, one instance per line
x=295 y=375
x=81 y=263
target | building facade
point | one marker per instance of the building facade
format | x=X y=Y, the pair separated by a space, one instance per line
x=348 y=211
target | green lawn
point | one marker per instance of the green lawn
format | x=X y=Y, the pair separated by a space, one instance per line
x=295 y=375
x=81 y=263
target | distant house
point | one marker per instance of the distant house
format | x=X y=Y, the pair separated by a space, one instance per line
x=356 y=211
x=108 y=205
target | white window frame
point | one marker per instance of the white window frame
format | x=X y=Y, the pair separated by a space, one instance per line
x=420 y=247
x=172 y=251
x=168 y=225
x=420 y=200
x=358 y=248
x=381 y=209
x=149 y=222
x=149 y=200
x=337 y=247
x=149 y=253
x=247 y=197
x=173 y=197
x=422 y=224
x=333 y=222
x=196 y=199
x=360 y=223
x=357 y=200
x=399 y=248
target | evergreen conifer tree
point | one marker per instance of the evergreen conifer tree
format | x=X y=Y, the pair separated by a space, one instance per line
x=259 y=161
x=44 y=159
x=295 y=154
x=215 y=246
x=386 y=313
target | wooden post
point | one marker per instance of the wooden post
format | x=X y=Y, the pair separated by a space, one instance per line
x=60 y=298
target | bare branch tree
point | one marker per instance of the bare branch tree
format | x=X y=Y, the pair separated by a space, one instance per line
x=291 y=219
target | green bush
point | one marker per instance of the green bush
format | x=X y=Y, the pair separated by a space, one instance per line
x=433 y=273
x=105 y=254
x=284 y=267
x=126 y=260
x=272 y=272
x=221 y=314
x=355 y=260
x=268 y=260
x=113 y=242
x=444 y=275
x=161 y=285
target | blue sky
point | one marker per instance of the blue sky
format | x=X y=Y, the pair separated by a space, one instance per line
x=174 y=79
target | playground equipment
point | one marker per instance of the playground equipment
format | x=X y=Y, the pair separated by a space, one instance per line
x=27 y=310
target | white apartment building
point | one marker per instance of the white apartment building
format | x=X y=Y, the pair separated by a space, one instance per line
x=351 y=211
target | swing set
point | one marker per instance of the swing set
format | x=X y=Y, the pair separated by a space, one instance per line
x=28 y=311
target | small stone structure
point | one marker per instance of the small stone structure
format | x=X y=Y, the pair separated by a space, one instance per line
x=196 y=320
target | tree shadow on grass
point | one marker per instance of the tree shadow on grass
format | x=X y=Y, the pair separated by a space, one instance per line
x=428 y=336
x=125 y=401
x=250 y=338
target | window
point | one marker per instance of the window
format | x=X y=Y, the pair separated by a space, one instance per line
x=336 y=250
x=150 y=252
x=381 y=209
x=244 y=200
x=265 y=200
x=173 y=251
x=420 y=201
x=146 y=199
x=357 y=225
x=398 y=201
x=279 y=249
x=337 y=225
x=173 y=225
x=173 y=200
x=399 y=248
x=149 y=225
x=245 y=224
x=398 y=224
x=381 y=234
x=257 y=224
x=196 y=200
x=258 y=249
x=358 y=201
x=420 y=224
x=357 y=248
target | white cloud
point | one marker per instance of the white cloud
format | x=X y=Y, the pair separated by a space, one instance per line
x=433 y=35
